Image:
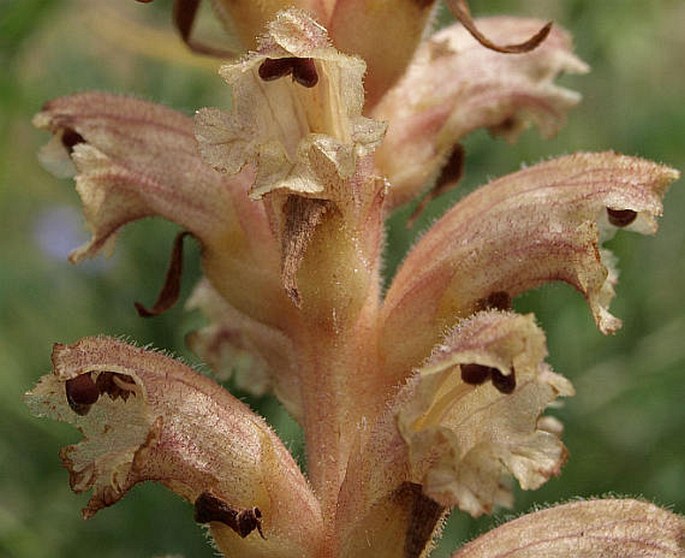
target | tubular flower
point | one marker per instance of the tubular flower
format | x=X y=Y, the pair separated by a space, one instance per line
x=428 y=398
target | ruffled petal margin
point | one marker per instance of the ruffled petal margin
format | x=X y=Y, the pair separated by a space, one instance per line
x=296 y=112
x=474 y=415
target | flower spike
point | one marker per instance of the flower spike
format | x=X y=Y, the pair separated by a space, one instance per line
x=427 y=397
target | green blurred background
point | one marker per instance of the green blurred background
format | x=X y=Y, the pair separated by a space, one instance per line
x=625 y=427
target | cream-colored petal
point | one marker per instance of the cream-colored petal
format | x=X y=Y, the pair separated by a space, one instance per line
x=261 y=358
x=133 y=159
x=454 y=85
x=295 y=94
x=465 y=435
x=540 y=224
x=592 y=529
x=147 y=417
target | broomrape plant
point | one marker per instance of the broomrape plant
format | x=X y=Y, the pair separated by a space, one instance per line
x=414 y=401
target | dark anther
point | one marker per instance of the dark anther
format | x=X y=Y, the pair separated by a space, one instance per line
x=115 y=385
x=81 y=393
x=70 y=138
x=172 y=283
x=210 y=508
x=274 y=68
x=303 y=70
x=504 y=384
x=621 y=217
x=499 y=300
x=476 y=374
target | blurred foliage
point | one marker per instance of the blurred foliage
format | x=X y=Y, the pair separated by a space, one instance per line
x=624 y=427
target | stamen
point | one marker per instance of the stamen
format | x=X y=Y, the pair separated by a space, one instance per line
x=81 y=393
x=504 y=384
x=210 y=508
x=70 y=138
x=115 y=385
x=303 y=70
x=621 y=217
x=499 y=300
x=476 y=374
x=275 y=68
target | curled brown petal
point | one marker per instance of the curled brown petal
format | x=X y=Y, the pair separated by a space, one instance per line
x=451 y=173
x=185 y=14
x=461 y=11
x=209 y=507
x=172 y=283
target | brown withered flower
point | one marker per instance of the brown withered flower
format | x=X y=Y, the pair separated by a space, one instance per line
x=415 y=401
